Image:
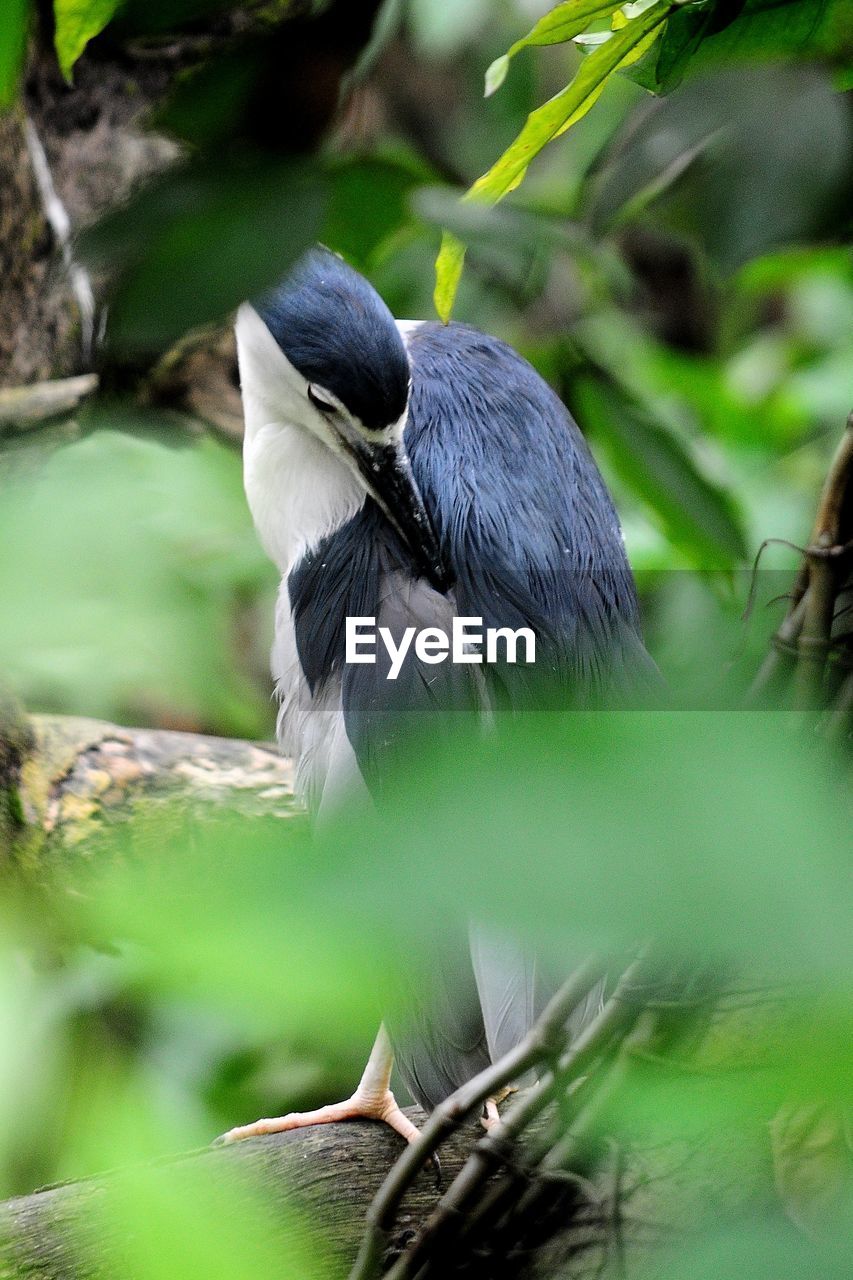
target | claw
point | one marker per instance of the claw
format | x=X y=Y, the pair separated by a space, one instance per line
x=361 y=1106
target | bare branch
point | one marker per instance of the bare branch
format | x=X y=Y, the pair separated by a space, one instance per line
x=23 y=408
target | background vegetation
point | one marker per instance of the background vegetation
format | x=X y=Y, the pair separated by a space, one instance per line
x=678 y=265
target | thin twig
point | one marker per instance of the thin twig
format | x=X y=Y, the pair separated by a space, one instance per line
x=498 y=1144
x=60 y=224
x=840 y=720
x=827 y=528
x=450 y=1114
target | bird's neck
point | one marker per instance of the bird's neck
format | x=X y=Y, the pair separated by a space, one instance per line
x=298 y=491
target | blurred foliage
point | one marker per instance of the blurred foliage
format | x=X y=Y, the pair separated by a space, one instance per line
x=112 y=1059
x=133 y=572
x=679 y=269
x=665 y=39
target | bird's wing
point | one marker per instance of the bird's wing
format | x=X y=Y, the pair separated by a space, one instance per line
x=382 y=714
x=523 y=517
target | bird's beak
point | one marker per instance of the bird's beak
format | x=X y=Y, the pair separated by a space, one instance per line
x=387 y=473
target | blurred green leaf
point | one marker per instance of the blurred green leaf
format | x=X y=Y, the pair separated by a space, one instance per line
x=736 y=164
x=722 y=834
x=208 y=102
x=766 y=1057
x=562 y=23
x=762 y=29
x=812 y=1161
x=199 y=241
x=448 y=273
x=221 y=911
x=131 y=563
x=78 y=22
x=13 y=43
x=193 y=1220
x=368 y=204
x=765 y=1249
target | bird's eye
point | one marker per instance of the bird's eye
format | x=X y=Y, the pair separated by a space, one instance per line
x=320 y=402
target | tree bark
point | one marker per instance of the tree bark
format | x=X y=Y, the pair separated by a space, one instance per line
x=332 y=1172
x=77 y=777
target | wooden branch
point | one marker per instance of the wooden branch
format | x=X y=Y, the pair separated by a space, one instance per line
x=81 y=775
x=331 y=1172
x=804 y=641
x=23 y=408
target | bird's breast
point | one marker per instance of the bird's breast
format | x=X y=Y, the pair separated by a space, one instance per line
x=297 y=490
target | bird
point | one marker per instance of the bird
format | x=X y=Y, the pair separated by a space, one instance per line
x=416 y=472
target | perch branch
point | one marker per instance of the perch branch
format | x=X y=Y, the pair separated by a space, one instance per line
x=330 y=1172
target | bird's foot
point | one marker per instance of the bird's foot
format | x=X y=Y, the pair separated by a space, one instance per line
x=361 y=1106
x=491 y=1115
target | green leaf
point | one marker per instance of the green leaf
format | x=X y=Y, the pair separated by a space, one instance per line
x=13 y=41
x=568 y=106
x=557 y=115
x=78 y=22
x=448 y=272
x=195 y=244
x=563 y=23
x=764 y=29
x=697 y=515
x=718 y=833
x=496 y=74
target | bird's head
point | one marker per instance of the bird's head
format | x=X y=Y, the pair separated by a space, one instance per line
x=337 y=368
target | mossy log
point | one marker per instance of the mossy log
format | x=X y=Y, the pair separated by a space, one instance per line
x=79 y=776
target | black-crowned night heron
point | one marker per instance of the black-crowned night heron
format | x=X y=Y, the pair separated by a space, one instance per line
x=416 y=473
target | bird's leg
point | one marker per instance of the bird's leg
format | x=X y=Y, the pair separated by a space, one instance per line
x=372 y=1100
x=491 y=1115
